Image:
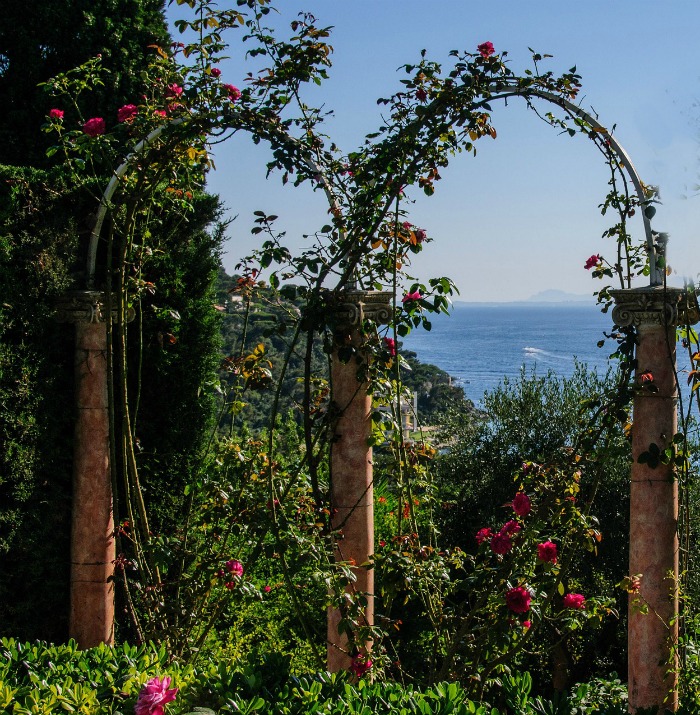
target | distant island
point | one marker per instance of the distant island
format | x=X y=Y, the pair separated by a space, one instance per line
x=545 y=297
x=560 y=296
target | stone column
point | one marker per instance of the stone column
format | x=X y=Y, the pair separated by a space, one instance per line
x=654 y=312
x=352 y=499
x=92 y=529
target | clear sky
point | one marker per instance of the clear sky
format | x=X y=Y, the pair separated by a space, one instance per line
x=522 y=215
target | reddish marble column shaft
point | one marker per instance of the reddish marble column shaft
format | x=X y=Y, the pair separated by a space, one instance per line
x=92 y=535
x=653 y=527
x=351 y=496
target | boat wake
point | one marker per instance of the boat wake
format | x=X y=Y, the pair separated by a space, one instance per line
x=545 y=355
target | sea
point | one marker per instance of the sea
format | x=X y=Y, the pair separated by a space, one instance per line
x=479 y=344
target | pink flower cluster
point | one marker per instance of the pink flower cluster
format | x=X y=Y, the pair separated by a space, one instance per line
x=235 y=567
x=233 y=92
x=173 y=91
x=502 y=542
x=154 y=696
x=360 y=665
x=411 y=297
x=127 y=112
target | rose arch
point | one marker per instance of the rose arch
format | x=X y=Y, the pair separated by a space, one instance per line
x=351 y=279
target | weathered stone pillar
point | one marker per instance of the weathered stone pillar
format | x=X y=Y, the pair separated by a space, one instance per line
x=655 y=312
x=352 y=500
x=92 y=530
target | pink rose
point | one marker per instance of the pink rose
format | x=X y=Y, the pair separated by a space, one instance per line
x=94 y=127
x=154 y=696
x=233 y=92
x=521 y=504
x=160 y=113
x=56 y=113
x=267 y=589
x=360 y=665
x=483 y=535
x=215 y=72
x=518 y=599
x=526 y=625
x=501 y=543
x=421 y=235
x=173 y=91
x=235 y=567
x=592 y=262
x=390 y=345
x=127 y=112
x=486 y=49
x=547 y=552
x=575 y=601
x=411 y=297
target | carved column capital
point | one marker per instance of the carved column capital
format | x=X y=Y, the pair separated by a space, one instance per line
x=356 y=306
x=653 y=306
x=85 y=306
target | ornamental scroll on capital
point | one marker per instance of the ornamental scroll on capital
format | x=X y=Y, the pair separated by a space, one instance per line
x=654 y=306
x=356 y=306
x=85 y=306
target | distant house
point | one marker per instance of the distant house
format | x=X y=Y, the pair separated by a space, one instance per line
x=409 y=414
x=234 y=303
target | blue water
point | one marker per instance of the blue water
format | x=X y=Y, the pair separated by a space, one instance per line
x=479 y=345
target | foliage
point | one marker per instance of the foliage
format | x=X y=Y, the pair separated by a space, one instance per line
x=485 y=453
x=477 y=611
x=45 y=225
x=44 y=39
x=38 y=678
x=37 y=253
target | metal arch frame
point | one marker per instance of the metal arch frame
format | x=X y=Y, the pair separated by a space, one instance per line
x=656 y=276
x=136 y=153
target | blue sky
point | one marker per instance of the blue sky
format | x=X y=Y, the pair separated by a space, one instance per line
x=522 y=215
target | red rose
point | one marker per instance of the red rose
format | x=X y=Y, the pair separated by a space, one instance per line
x=421 y=94
x=360 y=665
x=486 y=49
x=521 y=504
x=390 y=345
x=575 y=601
x=127 y=112
x=215 y=72
x=94 y=127
x=56 y=113
x=501 y=543
x=592 y=262
x=483 y=535
x=233 y=92
x=547 y=552
x=518 y=599
x=511 y=528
